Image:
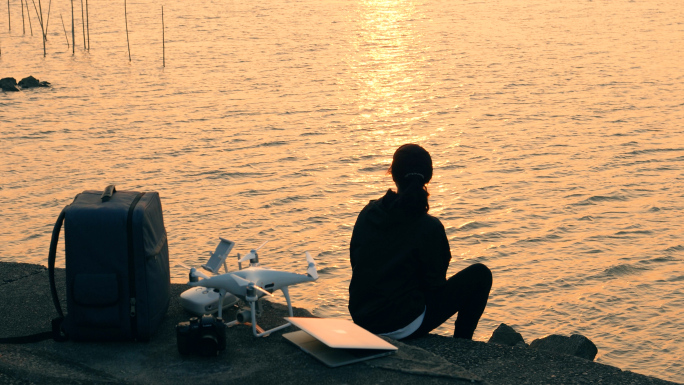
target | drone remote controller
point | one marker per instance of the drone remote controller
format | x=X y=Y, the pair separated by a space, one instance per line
x=201 y=300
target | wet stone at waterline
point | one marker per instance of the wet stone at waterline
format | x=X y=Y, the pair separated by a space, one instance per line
x=506 y=335
x=10 y=84
x=575 y=345
x=30 y=82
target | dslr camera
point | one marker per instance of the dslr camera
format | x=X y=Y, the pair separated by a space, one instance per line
x=205 y=336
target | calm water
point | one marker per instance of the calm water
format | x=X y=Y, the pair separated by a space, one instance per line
x=556 y=127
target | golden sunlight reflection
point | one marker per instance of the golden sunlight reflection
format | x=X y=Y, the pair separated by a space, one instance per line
x=386 y=63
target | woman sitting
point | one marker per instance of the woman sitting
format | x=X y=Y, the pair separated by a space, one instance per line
x=400 y=255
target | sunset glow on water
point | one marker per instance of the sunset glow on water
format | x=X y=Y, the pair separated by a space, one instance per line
x=556 y=127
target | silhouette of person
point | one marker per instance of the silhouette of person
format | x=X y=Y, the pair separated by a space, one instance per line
x=399 y=256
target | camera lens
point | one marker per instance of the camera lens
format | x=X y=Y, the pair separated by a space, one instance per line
x=207 y=345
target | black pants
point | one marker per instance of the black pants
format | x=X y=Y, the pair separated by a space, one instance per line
x=465 y=293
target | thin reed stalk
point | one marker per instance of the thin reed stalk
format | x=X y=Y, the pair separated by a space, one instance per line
x=127 y=40
x=83 y=24
x=73 y=33
x=9 y=18
x=42 y=25
x=63 y=27
x=163 y=41
x=23 y=21
x=88 y=24
x=28 y=12
x=47 y=22
x=37 y=14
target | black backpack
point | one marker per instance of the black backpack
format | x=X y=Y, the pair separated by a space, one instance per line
x=117 y=268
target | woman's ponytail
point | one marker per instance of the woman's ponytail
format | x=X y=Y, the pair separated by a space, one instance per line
x=414 y=196
x=411 y=170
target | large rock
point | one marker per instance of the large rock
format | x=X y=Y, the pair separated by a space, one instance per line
x=8 y=84
x=575 y=345
x=506 y=335
x=30 y=82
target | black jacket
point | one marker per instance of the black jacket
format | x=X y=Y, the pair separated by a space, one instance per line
x=396 y=260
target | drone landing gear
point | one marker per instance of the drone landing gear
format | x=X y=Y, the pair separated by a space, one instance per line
x=253 y=301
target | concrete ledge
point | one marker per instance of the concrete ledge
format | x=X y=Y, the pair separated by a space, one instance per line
x=27 y=308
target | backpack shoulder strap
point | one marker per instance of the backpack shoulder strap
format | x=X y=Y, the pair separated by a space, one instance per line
x=57 y=332
x=51 y=260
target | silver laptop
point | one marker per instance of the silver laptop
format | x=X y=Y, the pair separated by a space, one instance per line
x=337 y=342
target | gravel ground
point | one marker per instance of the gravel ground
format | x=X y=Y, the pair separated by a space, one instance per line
x=27 y=308
x=499 y=364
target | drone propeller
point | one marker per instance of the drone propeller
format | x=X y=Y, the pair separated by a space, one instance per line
x=193 y=272
x=239 y=280
x=251 y=254
x=311 y=270
x=243 y=282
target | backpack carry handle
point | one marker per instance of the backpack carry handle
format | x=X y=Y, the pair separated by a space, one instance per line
x=108 y=192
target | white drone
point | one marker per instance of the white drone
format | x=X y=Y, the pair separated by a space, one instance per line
x=250 y=283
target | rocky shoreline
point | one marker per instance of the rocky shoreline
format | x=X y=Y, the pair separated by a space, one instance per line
x=28 y=309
